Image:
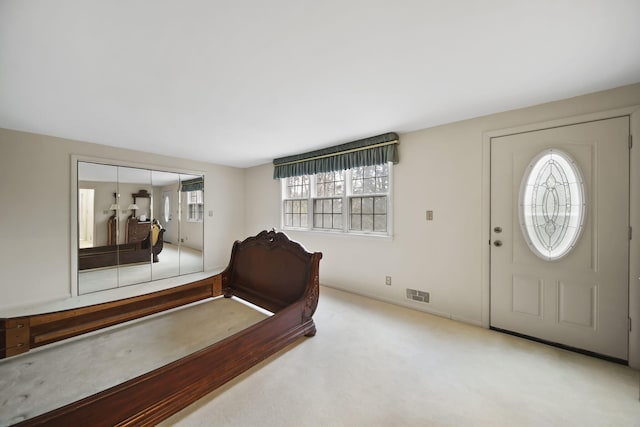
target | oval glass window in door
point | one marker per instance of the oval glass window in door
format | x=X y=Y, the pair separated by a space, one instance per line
x=552 y=204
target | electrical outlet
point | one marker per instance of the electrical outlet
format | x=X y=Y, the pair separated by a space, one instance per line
x=387 y=281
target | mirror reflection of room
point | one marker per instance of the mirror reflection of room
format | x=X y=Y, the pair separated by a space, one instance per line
x=137 y=225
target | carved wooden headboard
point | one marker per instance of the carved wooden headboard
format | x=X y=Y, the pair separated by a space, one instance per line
x=271 y=271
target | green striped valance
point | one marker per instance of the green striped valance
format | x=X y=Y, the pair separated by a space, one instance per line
x=192 y=184
x=364 y=152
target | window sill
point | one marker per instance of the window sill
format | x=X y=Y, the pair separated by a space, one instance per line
x=376 y=236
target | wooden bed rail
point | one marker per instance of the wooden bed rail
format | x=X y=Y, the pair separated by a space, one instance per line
x=20 y=334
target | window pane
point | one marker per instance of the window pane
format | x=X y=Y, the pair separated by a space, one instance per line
x=330 y=189
x=369 y=186
x=325 y=212
x=304 y=221
x=326 y=220
x=367 y=205
x=382 y=184
x=380 y=205
x=330 y=184
x=370 y=179
x=356 y=223
x=357 y=186
x=369 y=171
x=380 y=223
x=297 y=187
x=295 y=213
x=367 y=222
x=356 y=205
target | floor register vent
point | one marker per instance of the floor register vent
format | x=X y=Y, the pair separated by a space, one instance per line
x=416 y=295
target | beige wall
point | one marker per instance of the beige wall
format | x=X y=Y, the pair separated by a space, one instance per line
x=444 y=169
x=35 y=225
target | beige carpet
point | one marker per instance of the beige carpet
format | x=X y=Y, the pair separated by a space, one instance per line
x=376 y=364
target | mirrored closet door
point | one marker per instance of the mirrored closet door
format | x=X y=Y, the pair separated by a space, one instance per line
x=136 y=225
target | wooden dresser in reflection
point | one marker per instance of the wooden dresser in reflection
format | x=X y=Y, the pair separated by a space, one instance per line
x=136 y=231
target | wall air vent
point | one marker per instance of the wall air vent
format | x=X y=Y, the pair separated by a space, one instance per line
x=416 y=295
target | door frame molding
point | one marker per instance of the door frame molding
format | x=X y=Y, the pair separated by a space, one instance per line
x=634 y=212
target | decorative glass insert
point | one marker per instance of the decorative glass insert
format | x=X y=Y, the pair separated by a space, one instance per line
x=552 y=204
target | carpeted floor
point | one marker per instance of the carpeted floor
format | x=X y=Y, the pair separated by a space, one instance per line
x=376 y=364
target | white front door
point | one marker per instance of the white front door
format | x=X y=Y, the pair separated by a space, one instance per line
x=580 y=299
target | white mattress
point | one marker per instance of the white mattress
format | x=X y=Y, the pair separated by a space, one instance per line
x=56 y=375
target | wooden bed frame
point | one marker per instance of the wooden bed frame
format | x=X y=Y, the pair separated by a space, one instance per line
x=126 y=253
x=268 y=270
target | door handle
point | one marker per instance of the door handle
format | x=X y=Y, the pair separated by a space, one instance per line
x=497 y=243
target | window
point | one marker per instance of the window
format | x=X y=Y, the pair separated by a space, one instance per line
x=552 y=204
x=327 y=206
x=296 y=201
x=351 y=201
x=369 y=208
x=195 y=206
x=166 y=209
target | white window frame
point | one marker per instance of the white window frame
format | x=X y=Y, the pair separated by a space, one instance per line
x=346 y=207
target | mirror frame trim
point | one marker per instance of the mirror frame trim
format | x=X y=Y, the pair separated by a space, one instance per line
x=73 y=217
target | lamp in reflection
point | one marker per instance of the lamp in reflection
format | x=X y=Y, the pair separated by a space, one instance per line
x=133 y=207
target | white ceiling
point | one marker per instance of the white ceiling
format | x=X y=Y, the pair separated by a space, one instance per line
x=239 y=82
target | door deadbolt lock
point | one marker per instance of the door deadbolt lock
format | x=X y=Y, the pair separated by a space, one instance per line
x=497 y=229
x=497 y=243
